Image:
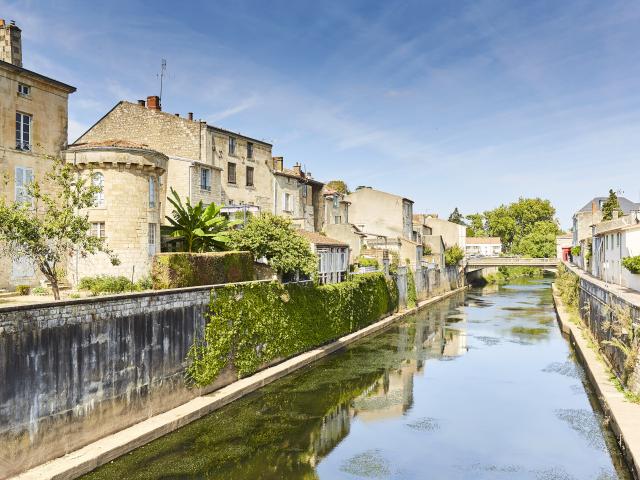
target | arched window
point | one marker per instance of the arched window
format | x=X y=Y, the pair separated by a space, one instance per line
x=97 y=179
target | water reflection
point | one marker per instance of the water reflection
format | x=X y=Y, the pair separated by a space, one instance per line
x=387 y=405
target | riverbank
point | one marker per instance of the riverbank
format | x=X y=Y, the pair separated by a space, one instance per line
x=624 y=416
x=107 y=449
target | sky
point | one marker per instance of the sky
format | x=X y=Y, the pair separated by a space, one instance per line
x=466 y=104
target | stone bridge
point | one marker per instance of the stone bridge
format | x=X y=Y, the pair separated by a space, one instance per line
x=479 y=263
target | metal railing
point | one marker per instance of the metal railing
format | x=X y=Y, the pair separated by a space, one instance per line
x=512 y=261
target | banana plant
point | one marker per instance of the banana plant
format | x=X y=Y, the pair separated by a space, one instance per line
x=201 y=228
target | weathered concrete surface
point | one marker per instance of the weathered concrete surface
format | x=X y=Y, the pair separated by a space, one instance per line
x=103 y=451
x=624 y=415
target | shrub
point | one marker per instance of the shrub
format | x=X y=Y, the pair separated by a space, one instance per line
x=568 y=285
x=367 y=262
x=453 y=255
x=145 y=283
x=176 y=270
x=632 y=264
x=40 y=291
x=253 y=324
x=412 y=297
x=23 y=289
x=575 y=251
x=106 y=284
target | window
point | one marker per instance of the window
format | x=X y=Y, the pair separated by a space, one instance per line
x=249 y=176
x=152 y=192
x=205 y=179
x=232 y=146
x=337 y=219
x=304 y=191
x=24 y=176
x=249 y=150
x=97 y=180
x=336 y=201
x=23 y=131
x=231 y=172
x=286 y=202
x=97 y=229
x=152 y=239
x=24 y=89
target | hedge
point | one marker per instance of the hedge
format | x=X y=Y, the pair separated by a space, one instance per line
x=254 y=324
x=175 y=270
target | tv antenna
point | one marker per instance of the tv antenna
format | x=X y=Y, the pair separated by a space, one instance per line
x=163 y=70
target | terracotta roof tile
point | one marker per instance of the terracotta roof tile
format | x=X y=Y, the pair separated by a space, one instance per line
x=319 y=239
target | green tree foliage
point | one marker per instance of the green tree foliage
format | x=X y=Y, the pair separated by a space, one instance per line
x=540 y=242
x=632 y=264
x=274 y=238
x=198 y=228
x=476 y=226
x=51 y=229
x=339 y=186
x=453 y=255
x=456 y=217
x=610 y=205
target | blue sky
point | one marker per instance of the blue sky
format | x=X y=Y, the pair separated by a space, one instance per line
x=466 y=103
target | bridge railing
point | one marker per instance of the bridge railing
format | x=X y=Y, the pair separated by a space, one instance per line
x=505 y=261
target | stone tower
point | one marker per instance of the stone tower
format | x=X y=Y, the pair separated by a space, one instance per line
x=10 y=43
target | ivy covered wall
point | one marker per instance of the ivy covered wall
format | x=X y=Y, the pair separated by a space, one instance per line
x=251 y=325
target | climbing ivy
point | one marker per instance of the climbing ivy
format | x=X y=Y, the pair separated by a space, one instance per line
x=254 y=324
x=412 y=296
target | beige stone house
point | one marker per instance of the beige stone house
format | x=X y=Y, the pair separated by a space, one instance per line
x=126 y=213
x=205 y=162
x=334 y=222
x=483 y=246
x=387 y=220
x=296 y=195
x=33 y=129
x=451 y=233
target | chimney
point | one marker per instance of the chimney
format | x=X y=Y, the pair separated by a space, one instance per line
x=190 y=116
x=141 y=103
x=615 y=214
x=10 y=43
x=153 y=103
x=278 y=163
x=297 y=169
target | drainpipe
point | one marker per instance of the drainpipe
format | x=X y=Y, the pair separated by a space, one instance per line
x=191 y=165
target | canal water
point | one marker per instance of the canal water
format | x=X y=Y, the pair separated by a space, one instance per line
x=480 y=386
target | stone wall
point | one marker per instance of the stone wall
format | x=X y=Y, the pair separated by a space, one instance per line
x=79 y=370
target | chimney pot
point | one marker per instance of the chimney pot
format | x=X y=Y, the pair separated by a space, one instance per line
x=153 y=103
x=177 y=114
x=141 y=103
x=297 y=169
x=190 y=115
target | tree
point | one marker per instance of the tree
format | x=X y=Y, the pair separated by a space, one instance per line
x=476 y=226
x=274 y=238
x=339 y=186
x=48 y=228
x=610 y=205
x=200 y=228
x=540 y=242
x=453 y=255
x=456 y=217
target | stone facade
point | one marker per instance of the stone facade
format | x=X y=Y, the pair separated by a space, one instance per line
x=334 y=208
x=205 y=162
x=452 y=233
x=127 y=211
x=42 y=104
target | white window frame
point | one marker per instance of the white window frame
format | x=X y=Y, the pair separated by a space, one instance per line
x=97 y=180
x=151 y=238
x=23 y=138
x=24 y=90
x=232 y=145
x=98 y=230
x=286 y=202
x=23 y=177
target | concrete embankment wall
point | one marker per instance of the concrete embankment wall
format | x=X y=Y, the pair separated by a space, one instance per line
x=596 y=304
x=429 y=282
x=72 y=372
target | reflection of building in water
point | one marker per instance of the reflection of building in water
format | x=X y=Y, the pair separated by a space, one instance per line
x=454 y=342
x=334 y=427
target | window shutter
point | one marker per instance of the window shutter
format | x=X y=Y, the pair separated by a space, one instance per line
x=19 y=184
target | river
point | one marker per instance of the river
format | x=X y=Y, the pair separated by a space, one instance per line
x=481 y=385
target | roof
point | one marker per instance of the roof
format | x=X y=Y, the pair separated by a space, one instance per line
x=369 y=189
x=111 y=143
x=625 y=204
x=483 y=241
x=319 y=239
x=15 y=68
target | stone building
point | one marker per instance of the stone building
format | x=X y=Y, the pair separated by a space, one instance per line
x=296 y=195
x=33 y=129
x=334 y=222
x=333 y=257
x=386 y=219
x=483 y=246
x=452 y=233
x=127 y=211
x=205 y=162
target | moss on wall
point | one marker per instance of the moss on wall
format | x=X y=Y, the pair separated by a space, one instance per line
x=175 y=270
x=254 y=324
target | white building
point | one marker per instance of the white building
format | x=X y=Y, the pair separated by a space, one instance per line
x=483 y=246
x=333 y=257
x=614 y=240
